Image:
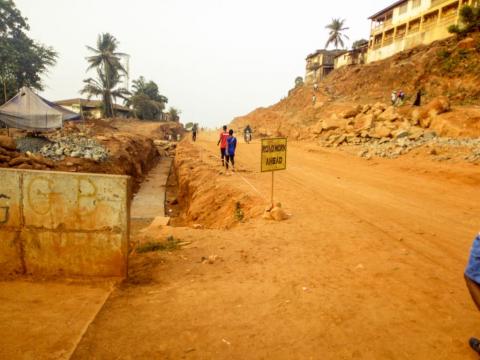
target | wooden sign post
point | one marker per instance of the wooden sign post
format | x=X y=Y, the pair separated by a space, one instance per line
x=274 y=158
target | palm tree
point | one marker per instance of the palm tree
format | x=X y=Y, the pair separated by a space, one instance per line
x=107 y=88
x=336 y=36
x=106 y=60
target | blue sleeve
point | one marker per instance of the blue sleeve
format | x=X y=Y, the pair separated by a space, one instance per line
x=473 y=267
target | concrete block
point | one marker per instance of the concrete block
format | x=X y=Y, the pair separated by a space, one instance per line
x=75 y=254
x=75 y=201
x=10 y=254
x=10 y=197
x=54 y=223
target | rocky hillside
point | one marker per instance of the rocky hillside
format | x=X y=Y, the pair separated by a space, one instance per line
x=352 y=104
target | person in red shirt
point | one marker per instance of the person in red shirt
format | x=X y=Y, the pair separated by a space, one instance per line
x=223 y=144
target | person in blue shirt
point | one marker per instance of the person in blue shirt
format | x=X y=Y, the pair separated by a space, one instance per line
x=231 y=147
x=472 y=277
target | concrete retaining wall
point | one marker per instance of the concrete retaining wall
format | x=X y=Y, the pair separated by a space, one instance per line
x=54 y=223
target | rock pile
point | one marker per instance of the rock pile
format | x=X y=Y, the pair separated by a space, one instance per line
x=166 y=148
x=384 y=131
x=11 y=158
x=75 y=146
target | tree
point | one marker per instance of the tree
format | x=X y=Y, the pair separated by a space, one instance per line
x=107 y=88
x=147 y=102
x=107 y=61
x=359 y=44
x=22 y=60
x=298 y=81
x=470 y=20
x=336 y=35
x=174 y=114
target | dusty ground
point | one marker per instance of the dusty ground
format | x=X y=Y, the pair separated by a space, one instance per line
x=370 y=266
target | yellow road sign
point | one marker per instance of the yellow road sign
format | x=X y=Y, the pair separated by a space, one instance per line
x=274 y=154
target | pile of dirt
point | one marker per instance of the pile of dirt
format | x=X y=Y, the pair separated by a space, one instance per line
x=349 y=106
x=206 y=197
x=128 y=153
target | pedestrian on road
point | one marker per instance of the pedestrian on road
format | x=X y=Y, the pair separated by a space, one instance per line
x=418 y=99
x=223 y=144
x=394 y=97
x=194 y=132
x=231 y=147
x=472 y=277
x=314 y=99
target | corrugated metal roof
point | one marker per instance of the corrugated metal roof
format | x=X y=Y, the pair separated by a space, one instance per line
x=393 y=6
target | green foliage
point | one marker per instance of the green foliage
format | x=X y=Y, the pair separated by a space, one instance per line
x=106 y=61
x=22 y=60
x=170 y=245
x=336 y=35
x=107 y=88
x=146 y=100
x=175 y=114
x=298 y=81
x=359 y=43
x=444 y=54
x=470 y=21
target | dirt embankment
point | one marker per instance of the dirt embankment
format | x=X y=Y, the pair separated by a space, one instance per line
x=208 y=197
x=447 y=72
x=129 y=144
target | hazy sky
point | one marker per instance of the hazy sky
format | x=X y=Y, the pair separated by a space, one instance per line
x=213 y=59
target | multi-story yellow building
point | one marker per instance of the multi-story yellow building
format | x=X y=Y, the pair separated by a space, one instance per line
x=320 y=64
x=409 y=23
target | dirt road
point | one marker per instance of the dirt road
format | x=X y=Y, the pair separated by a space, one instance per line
x=370 y=266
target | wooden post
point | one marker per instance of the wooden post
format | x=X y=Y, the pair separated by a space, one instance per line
x=273 y=178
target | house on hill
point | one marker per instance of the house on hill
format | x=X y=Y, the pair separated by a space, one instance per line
x=409 y=23
x=320 y=64
x=356 y=56
x=92 y=109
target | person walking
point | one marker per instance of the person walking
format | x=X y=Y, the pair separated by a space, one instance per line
x=231 y=147
x=472 y=278
x=247 y=134
x=222 y=141
x=418 y=99
x=393 y=97
x=194 y=132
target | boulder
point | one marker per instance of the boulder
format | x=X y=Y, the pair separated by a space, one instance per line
x=332 y=123
x=381 y=131
x=366 y=108
x=19 y=160
x=467 y=43
x=278 y=214
x=401 y=133
x=317 y=128
x=340 y=140
x=424 y=115
x=415 y=133
x=364 y=122
x=352 y=112
x=379 y=106
x=7 y=142
x=390 y=114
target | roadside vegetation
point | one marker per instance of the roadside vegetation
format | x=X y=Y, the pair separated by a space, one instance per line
x=23 y=60
x=469 y=21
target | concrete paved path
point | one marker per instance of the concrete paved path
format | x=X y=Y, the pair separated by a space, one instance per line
x=47 y=320
x=149 y=202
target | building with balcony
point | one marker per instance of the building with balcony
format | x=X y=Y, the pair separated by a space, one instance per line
x=320 y=64
x=356 y=56
x=409 y=23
